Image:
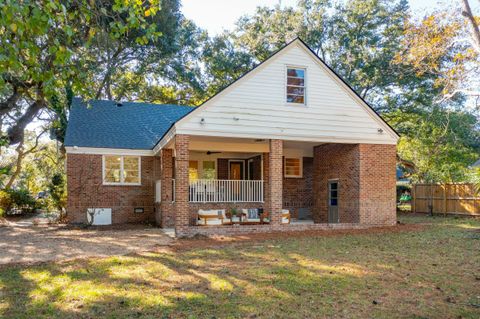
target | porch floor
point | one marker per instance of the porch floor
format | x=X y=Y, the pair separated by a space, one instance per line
x=301 y=222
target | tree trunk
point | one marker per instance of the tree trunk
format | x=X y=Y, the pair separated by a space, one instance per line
x=18 y=166
x=475 y=30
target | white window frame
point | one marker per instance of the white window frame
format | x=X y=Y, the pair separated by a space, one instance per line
x=300 y=159
x=200 y=161
x=121 y=183
x=304 y=85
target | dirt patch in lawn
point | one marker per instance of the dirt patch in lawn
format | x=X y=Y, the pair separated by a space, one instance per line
x=218 y=241
x=19 y=245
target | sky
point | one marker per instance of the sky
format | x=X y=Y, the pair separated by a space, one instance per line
x=217 y=15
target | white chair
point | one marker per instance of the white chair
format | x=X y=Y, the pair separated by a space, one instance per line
x=251 y=215
x=285 y=216
x=211 y=217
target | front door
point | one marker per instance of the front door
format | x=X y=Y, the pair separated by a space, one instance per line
x=333 y=202
x=236 y=170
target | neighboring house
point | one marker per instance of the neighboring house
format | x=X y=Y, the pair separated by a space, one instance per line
x=289 y=134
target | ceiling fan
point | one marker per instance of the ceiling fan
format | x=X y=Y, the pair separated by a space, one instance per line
x=210 y=152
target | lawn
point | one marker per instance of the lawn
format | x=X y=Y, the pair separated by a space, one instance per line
x=433 y=273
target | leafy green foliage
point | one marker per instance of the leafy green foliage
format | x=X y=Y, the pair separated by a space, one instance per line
x=58 y=191
x=51 y=45
x=16 y=198
x=441 y=143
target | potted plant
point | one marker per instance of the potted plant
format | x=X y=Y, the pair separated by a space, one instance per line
x=234 y=213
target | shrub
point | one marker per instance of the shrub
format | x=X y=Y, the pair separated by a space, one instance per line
x=5 y=200
x=58 y=191
x=16 y=198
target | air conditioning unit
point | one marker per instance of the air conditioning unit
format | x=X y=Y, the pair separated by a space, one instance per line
x=99 y=216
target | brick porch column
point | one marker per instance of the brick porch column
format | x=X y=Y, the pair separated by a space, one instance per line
x=275 y=181
x=182 y=216
x=166 y=175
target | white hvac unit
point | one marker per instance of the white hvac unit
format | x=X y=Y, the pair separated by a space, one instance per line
x=99 y=216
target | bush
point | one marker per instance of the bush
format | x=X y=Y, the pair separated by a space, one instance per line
x=58 y=191
x=5 y=200
x=16 y=198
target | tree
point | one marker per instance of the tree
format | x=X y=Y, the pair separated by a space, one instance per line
x=58 y=191
x=441 y=143
x=49 y=45
x=445 y=45
x=22 y=152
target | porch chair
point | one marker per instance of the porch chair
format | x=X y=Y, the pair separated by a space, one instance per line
x=286 y=218
x=211 y=217
x=252 y=215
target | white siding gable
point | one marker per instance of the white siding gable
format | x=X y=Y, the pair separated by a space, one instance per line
x=255 y=107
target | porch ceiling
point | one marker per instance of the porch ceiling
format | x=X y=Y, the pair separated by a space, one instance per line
x=244 y=145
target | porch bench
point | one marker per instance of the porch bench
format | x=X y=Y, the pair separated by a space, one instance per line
x=211 y=217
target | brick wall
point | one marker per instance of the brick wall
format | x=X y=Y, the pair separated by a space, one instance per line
x=297 y=192
x=366 y=176
x=85 y=190
x=377 y=184
x=233 y=230
x=222 y=169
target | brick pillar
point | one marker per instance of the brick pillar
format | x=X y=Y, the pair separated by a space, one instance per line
x=167 y=214
x=266 y=194
x=182 y=218
x=275 y=180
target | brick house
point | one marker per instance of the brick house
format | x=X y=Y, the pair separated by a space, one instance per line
x=288 y=135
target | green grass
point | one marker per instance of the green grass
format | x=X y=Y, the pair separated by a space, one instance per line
x=432 y=273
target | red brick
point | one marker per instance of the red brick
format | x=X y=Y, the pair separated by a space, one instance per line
x=86 y=190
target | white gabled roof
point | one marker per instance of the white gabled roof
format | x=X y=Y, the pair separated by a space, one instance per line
x=254 y=106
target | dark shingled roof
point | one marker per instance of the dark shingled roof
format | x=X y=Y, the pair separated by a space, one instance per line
x=129 y=126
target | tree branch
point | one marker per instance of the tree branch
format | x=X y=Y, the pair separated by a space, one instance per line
x=475 y=31
x=20 y=157
x=16 y=133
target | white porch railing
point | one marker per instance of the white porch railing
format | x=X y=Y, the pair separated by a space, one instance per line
x=225 y=191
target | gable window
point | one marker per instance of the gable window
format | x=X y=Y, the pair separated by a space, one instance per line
x=293 y=167
x=296 y=85
x=121 y=170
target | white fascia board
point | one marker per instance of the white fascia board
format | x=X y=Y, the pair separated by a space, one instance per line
x=165 y=140
x=107 y=151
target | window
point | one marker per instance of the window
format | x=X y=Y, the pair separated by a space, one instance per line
x=296 y=86
x=293 y=167
x=208 y=170
x=193 y=170
x=121 y=170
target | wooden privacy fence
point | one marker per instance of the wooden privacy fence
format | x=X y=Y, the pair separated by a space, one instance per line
x=445 y=199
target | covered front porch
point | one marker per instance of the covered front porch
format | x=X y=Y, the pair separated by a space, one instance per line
x=231 y=185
